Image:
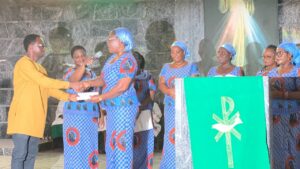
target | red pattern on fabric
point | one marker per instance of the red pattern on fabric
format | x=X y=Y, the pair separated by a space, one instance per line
x=95 y=120
x=119 y=144
x=150 y=161
x=77 y=134
x=287 y=162
x=131 y=68
x=170 y=81
x=111 y=142
x=276 y=119
x=68 y=72
x=90 y=159
x=172 y=136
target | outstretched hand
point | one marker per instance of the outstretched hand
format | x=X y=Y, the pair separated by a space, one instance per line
x=72 y=97
x=77 y=86
x=86 y=85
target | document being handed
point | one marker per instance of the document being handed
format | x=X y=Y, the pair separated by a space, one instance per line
x=86 y=95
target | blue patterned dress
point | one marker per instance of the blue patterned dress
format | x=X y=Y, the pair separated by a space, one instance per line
x=144 y=139
x=285 y=128
x=80 y=130
x=235 y=72
x=169 y=74
x=262 y=72
x=121 y=112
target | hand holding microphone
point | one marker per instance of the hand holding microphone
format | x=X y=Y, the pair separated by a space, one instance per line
x=98 y=55
x=89 y=60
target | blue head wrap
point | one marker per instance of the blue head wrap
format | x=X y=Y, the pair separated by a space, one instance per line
x=229 y=49
x=183 y=47
x=125 y=37
x=292 y=49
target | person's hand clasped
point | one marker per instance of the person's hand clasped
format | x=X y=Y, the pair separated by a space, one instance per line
x=95 y=98
x=85 y=85
x=77 y=86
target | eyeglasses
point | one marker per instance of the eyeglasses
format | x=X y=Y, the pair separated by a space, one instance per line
x=267 y=56
x=111 y=39
x=41 y=45
x=280 y=53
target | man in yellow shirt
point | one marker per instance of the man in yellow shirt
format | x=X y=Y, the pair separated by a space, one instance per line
x=28 y=109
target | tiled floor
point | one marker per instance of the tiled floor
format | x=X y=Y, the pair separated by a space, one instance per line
x=54 y=160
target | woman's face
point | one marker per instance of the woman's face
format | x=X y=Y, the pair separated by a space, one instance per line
x=79 y=56
x=269 y=57
x=114 y=44
x=177 y=54
x=223 y=56
x=282 y=57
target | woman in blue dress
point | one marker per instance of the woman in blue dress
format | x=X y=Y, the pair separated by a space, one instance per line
x=225 y=55
x=118 y=99
x=285 y=128
x=143 y=132
x=179 y=68
x=269 y=60
x=80 y=126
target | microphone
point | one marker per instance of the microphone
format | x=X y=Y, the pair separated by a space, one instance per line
x=98 y=55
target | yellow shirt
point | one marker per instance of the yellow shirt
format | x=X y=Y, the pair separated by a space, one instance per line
x=32 y=87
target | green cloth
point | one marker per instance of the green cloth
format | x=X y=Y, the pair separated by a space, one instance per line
x=56 y=131
x=227 y=122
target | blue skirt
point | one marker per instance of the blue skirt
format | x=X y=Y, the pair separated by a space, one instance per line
x=168 y=154
x=119 y=136
x=80 y=134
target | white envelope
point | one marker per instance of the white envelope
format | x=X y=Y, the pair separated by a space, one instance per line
x=86 y=95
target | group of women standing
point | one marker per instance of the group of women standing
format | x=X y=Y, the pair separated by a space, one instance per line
x=280 y=66
x=127 y=94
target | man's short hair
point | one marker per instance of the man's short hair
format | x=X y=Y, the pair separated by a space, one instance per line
x=29 y=39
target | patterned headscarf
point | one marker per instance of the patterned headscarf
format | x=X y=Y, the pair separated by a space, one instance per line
x=183 y=47
x=229 y=49
x=125 y=37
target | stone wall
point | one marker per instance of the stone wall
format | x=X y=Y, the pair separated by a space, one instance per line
x=64 y=23
x=289 y=22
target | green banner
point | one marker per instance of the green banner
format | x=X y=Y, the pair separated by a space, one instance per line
x=227 y=122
